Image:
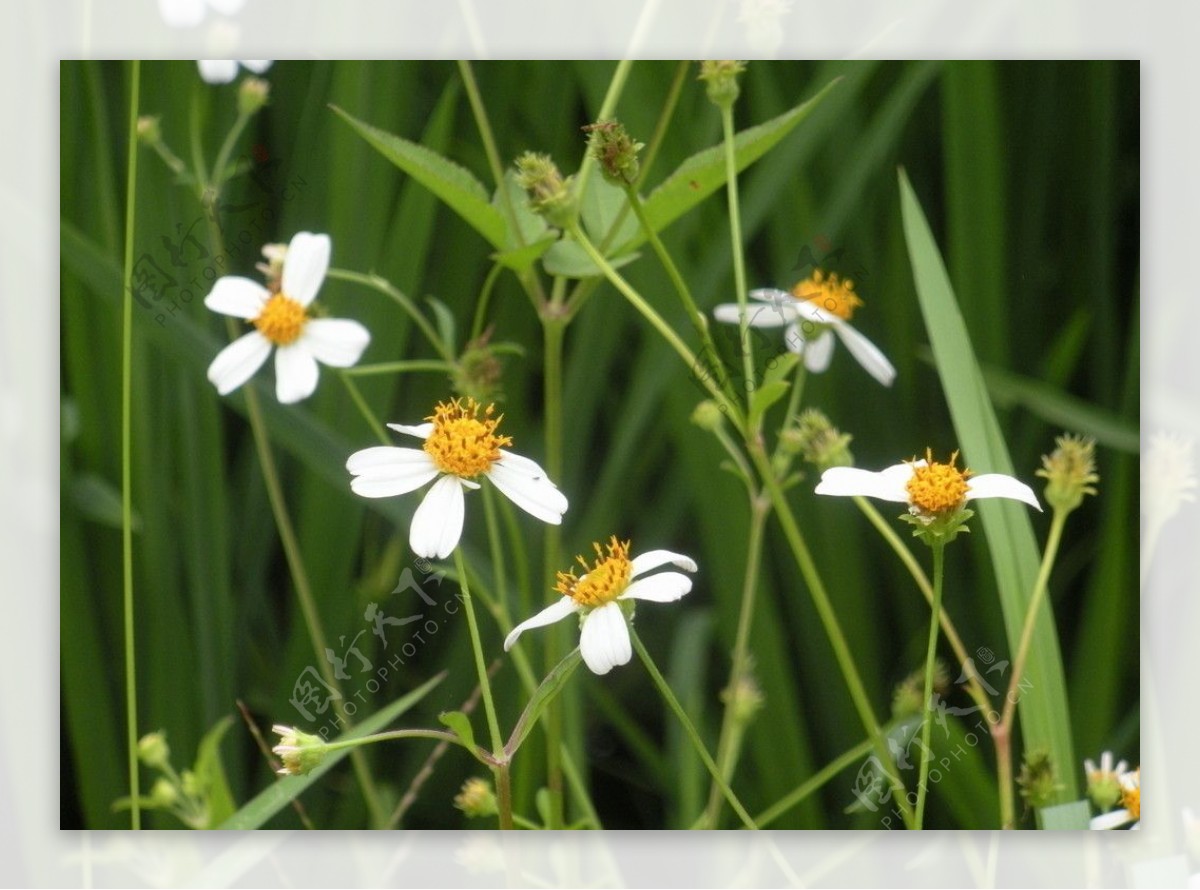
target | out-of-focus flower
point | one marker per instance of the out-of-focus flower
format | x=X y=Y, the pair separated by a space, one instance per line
x=217 y=71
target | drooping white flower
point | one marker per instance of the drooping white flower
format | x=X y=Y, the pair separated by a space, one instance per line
x=281 y=321
x=815 y=310
x=460 y=446
x=612 y=578
x=929 y=488
x=225 y=70
x=1131 y=805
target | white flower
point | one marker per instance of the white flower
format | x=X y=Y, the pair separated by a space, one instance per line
x=225 y=70
x=1131 y=811
x=604 y=637
x=460 y=446
x=929 y=488
x=281 y=320
x=189 y=13
x=814 y=311
x=1104 y=783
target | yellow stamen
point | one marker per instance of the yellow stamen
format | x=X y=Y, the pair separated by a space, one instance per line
x=1131 y=795
x=837 y=297
x=463 y=443
x=603 y=581
x=282 y=319
x=938 y=488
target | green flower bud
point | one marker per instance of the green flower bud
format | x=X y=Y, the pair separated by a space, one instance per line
x=908 y=696
x=720 y=77
x=1070 y=470
x=614 y=150
x=153 y=750
x=1038 y=779
x=744 y=697
x=819 y=441
x=299 y=751
x=253 y=93
x=549 y=194
x=149 y=132
x=163 y=794
x=476 y=799
x=708 y=415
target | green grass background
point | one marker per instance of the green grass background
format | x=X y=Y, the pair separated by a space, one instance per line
x=1029 y=174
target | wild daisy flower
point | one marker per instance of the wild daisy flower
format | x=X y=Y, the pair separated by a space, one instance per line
x=1131 y=805
x=300 y=752
x=280 y=315
x=607 y=584
x=1104 y=782
x=813 y=311
x=930 y=489
x=461 y=445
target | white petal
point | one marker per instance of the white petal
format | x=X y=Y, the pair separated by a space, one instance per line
x=337 y=342
x=305 y=266
x=237 y=362
x=772 y=295
x=258 y=66
x=384 y=471
x=866 y=352
x=182 y=13
x=236 y=296
x=1109 y=821
x=525 y=484
x=556 y=611
x=437 y=525
x=998 y=485
x=665 y=587
x=655 y=558
x=604 y=640
x=888 y=485
x=756 y=316
x=296 y=373
x=217 y=70
x=421 y=430
x=818 y=353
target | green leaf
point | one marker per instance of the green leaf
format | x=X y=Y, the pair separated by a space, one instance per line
x=287 y=788
x=1074 y=816
x=460 y=724
x=780 y=367
x=445 y=322
x=600 y=208
x=566 y=258
x=766 y=396
x=530 y=226
x=98 y=500
x=461 y=191
x=542 y=696
x=521 y=259
x=1014 y=551
x=704 y=172
x=211 y=773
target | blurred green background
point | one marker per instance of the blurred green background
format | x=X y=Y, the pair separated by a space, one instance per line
x=1029 y=174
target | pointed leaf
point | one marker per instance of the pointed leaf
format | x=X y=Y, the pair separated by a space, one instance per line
x=460 y=724
x=542 y=696
x=566 y=258
x=211 y=773
x=766 y=396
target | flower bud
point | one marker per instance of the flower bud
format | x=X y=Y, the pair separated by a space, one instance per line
x=819 y=441
x=549 y=194
x=1070 y=470
x=152 y=750
x=610 y=144
x=299 y=751
x=253 y=93
x=476 y=799
x=163 y=793
x=149 y=131
x=708 y=415
x=720 y=77
x=744 y=698
x=478 y=372
x=907 y=698
x=1038 y=779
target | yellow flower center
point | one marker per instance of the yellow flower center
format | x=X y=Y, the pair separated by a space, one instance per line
x=938 y=488
x=281 y=320
x=828 y=292
x=603 y=581
x=1131 y=796
x=463 y=443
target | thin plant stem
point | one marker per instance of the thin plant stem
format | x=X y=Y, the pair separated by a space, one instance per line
x=667 y=332
x=392 y=735
x=664 y=121
x=735 y=238
x=131 y=718
x=689 y=729
x=364 y=409
x=226 y=149
x=833 y=630
x=399 y=368
x=485 y=296
x=812 y=784
x=729 y=741
x=385 y=287
x=939 y=558
x=1002 y=732
x=798 y=381
x=485 y=685
x=499 y=578
x=504 y=796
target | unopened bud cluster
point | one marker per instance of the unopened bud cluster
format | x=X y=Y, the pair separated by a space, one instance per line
x=1070 y=471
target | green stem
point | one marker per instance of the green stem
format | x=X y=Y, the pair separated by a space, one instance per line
x=685 y=721
x=485 y=685
x=735 y=237
x=664 y=120
x=1002 y=732
x=833 y=630
x=504 y=796
x=798 y=381
x=485 y=296
x=399 y=368
x=732 y=729
x=385 y=287
x=939 y=558
x=639 y=303
x=499 y=579
x=226 y=150
x=364 y=409
x=812 y=784
x=135 y=812
x=392 y=735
